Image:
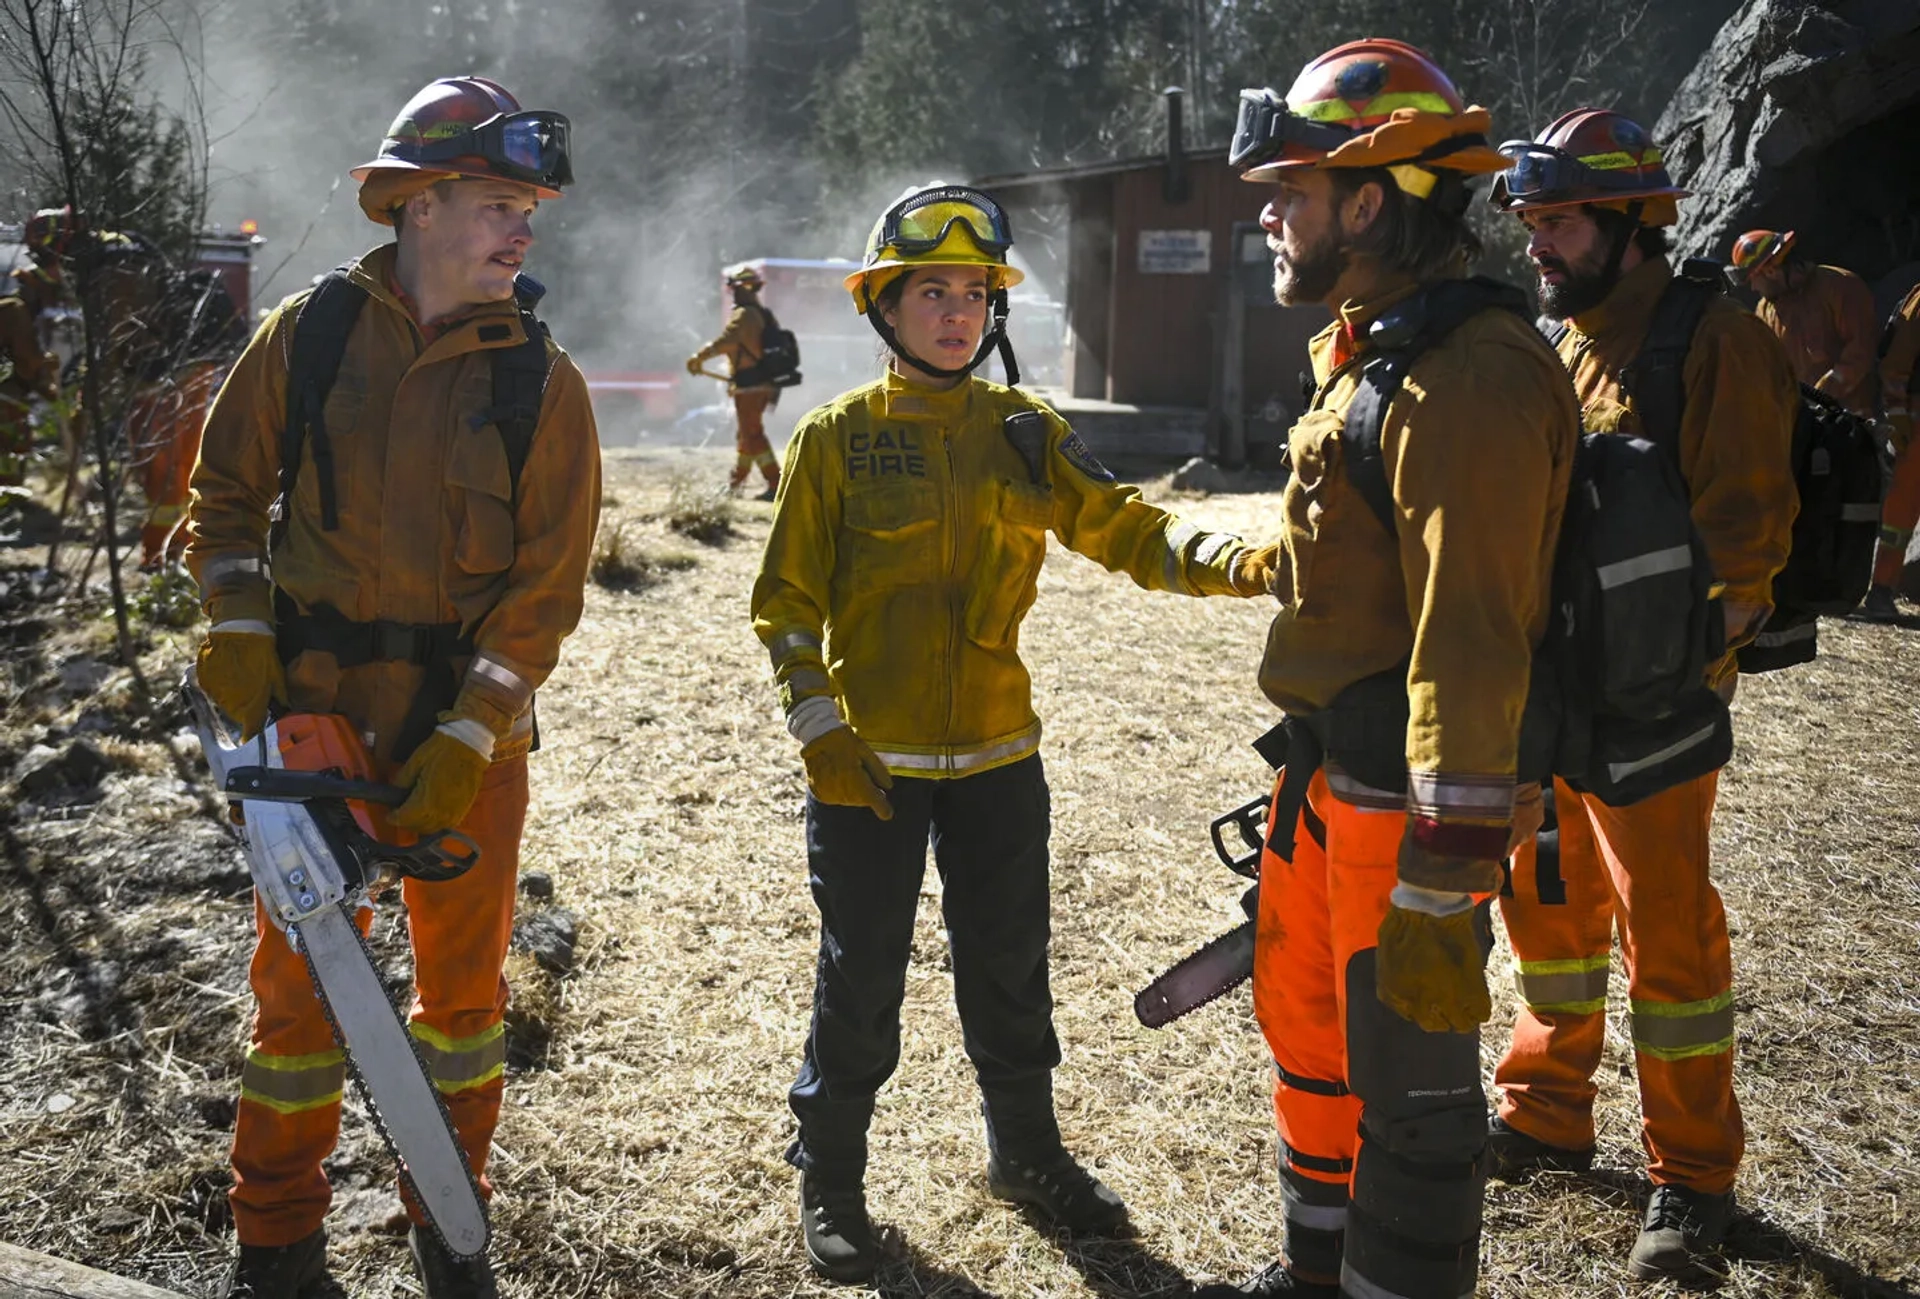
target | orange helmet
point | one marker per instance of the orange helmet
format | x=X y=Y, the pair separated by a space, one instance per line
x=1370 y=103
x=1591 y=155
x=466 y=126
x=50 y=230
x=1758 y=249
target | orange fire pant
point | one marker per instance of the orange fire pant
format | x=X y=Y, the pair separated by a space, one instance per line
x=1381 y=1125
x=290 y=1089
x=1643 y=869
x=164 y=428
x=1898 y=514
x=750 y=441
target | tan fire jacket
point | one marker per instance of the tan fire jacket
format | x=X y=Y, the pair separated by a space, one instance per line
x=739 y=342
x=906 y=549
x=1736 y=431
x=1900 y=368
x=24 y=368
x=430 y=530
x=1478 y=445
x=1831 y=331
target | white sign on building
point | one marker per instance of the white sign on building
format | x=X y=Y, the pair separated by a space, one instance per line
x=1176 y=252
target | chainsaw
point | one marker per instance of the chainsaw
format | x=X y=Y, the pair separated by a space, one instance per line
x=1226 y=962
x=319 y=847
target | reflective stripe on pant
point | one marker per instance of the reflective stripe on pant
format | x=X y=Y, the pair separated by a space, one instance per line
x=1898 y=514
x=289 y=1113
x=1644 y=868
x=750 y=441
x=1381 y=1125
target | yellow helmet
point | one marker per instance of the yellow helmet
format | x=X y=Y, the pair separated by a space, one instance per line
x=935 y=225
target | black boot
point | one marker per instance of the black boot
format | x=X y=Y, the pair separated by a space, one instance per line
x=1682 y=1232
x=1271 y=1282
x=296 y=1271
x=839 y=1235
x=446 y=1276
x=1055 y=1183
x=1513 y=1156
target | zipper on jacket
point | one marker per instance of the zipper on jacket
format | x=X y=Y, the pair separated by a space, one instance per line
x=952 y=531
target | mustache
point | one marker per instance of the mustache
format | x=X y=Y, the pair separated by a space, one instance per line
x=1551 y=263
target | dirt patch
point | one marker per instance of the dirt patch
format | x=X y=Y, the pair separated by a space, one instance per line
x=639 y=1152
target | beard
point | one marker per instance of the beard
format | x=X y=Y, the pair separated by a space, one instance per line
x=1310 y=277
x=1583 y=288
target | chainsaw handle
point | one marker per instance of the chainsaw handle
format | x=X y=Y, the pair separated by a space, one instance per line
x=275 y=785
x=1250 y=819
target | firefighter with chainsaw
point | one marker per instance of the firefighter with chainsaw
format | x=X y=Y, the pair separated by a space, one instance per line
x=1418 y=538
x=1596 y=199
x=1823 y=315
x=427 y=623
x=905 y=551
x=25 y=372
x=1899 y=394
x=740 y=344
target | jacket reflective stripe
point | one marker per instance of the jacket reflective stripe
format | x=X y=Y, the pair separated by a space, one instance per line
x=499 y=674
x=948 y=761
x=457 y=1064
x=1679 y=1031
x=1652 y=564
x=1621 y=770
x=788 y=642
x=1567 y=987
x=289 y=1084
x=1449 y=797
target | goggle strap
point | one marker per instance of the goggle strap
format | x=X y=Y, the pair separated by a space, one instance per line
x=996 y=340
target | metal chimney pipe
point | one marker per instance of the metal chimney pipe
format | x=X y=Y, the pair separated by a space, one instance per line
x=1173 y=186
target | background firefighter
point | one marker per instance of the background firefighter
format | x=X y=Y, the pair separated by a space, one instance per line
x=428 y=628
x=1370 y=938
x=1595 y=196
x=1899 y=380
x=1822 y=315
x=905 y=551
x=740 y=344
x=25 y=372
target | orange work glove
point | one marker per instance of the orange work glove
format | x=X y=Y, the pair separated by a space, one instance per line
x=1529 y=814
x=240 y=671
x=842 y=770
x=693 y=365
x=444 y=774
x=1430 y=968
x=1253 y=570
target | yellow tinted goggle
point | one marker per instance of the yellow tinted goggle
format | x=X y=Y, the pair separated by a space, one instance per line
x=923 y=222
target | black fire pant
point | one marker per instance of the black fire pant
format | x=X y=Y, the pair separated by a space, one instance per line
x=989 y=837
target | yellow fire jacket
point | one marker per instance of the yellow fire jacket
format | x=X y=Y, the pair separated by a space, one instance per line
x=1900 y=368
x=906 y=548
x=1736 y=432
x=1478 y=445
x=739 y=342
x=430 y=530
x=1829 y=328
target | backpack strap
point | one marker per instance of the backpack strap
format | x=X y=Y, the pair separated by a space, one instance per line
x=1656 y=379
x=1554 y=331
x=319 y=342
x=1401 y=335
x=519 y=382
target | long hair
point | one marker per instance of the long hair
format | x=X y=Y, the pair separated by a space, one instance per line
x=1425 y=238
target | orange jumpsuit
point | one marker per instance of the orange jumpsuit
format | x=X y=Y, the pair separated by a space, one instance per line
x=31 y=372
x=1830 y=330
x=432 y=532
x=1382 y=1124
x=1644 y=868
x=739 y=342
x=163 y=428
x=1899 y=390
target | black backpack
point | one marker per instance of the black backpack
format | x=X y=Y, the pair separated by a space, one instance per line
x=778 y=364
x=1617 y=704
x=320 y=335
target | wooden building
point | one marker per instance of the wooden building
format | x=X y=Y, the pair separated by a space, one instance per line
x=1173 y=344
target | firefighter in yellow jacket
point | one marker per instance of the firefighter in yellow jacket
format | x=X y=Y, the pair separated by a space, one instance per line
x=418 y=585
x=905 y=550
x=1595 y=196
x=740 y=344
x=1413 y=588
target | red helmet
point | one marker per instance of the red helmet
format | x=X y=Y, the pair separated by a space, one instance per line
x=1370 y=103
x=1758 y=249
x=1591 y=155
x=470 y=126
x=50 y=230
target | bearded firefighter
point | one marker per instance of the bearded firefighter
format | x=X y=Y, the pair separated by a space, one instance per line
x=428 y=553
x=1415 y=568
x=905 y=553
x=1595 y=197
x=740 y=344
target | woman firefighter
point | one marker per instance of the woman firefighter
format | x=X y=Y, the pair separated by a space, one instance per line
x=906 y=544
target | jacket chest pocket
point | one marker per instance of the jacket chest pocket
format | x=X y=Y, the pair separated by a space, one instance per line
x=1005 y=576
x=890 y=536
x=480 y=497
x=1314 y=447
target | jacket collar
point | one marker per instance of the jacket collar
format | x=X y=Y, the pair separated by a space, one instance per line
x=902 y=398
x=1346 y=337
x=1626 y=314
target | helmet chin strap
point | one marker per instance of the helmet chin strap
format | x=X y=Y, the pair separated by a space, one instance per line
x=1611 y=275
x=994 y=340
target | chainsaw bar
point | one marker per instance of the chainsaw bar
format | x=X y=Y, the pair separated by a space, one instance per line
x=1212 y=972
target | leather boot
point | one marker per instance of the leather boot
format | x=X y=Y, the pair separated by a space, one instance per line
x=296 y=1271
x=839 y=1235
x=1054 y=1183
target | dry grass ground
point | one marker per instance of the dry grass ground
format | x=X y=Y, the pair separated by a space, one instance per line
x=640 y=1152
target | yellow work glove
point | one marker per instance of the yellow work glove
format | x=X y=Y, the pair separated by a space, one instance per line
x=693 y=365
x=1529 y=814
x=240 y=671
x=842 y=770
x=444 y=774
x=1430 y=968
x=1253 y=570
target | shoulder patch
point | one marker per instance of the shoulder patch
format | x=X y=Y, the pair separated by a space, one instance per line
x=1081 y=457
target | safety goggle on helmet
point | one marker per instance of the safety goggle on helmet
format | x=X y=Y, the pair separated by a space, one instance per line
x=1266 y=126
x=531 y=146
x=922 y=222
